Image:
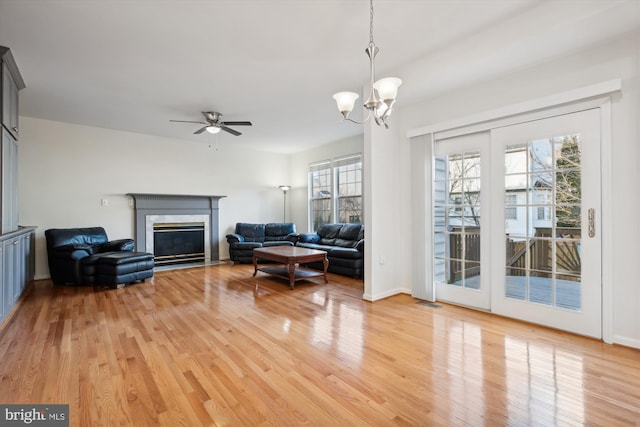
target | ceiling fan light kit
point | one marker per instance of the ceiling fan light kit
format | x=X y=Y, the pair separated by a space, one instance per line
x=382 y=94
x=214 y=124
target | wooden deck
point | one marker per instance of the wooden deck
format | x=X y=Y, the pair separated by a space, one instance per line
x=215 y=346
x=566 y=294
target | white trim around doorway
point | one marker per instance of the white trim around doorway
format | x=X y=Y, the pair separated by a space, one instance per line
x=594 y=96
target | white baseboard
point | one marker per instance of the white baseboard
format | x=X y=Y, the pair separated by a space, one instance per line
x=626 y=341
x=387 y=294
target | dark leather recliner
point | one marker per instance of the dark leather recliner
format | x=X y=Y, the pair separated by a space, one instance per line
x=81 y=256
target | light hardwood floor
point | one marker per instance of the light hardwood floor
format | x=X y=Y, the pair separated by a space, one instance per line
x=215 y=346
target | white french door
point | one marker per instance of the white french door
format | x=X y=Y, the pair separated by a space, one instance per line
x=546 y=246
x=461 y=210
x=516 y=221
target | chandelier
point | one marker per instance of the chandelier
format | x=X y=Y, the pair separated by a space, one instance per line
x=382 y=94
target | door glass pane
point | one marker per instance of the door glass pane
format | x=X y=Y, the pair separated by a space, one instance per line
x=457 y=219
x=543 y=222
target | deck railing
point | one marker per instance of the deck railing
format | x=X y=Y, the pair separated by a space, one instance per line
x=539 y=249
x=469 y=251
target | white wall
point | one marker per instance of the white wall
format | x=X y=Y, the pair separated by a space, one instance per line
x=298 y=204
x=66 y=170
x=387 y=212
x=618 y=58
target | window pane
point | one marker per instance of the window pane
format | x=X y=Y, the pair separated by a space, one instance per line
x=349 y=184
x=540 y=255
x=567 y=151
x=515 y=159
x=455 y=167
x=568 y=217
x=349 y=209
x=471 y=165
x=320 y=181
x=472 y=185
x=541 y=157
x=472 y=245
x=568 y=261
x=321 y=210
x=515 y=182
x=568 y=188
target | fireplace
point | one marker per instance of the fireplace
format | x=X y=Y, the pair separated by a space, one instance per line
x=156 y=212
x=178 y=243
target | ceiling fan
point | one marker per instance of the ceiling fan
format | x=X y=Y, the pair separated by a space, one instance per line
x=214 y=124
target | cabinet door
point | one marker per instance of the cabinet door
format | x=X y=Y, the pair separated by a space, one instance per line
x=9 y=102
x=2 y=284
x=28 y=260
x=18 y=268
x=9 y=197
x=8 y=275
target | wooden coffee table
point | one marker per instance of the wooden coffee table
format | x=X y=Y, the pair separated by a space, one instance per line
x=290 y=257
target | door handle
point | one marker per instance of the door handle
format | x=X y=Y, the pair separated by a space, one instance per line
x=592 y=222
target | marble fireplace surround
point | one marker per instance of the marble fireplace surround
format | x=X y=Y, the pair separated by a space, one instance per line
x=151 y=208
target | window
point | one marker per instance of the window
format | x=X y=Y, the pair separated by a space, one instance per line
x=348 y=174
x=510 y=211
x=335 y=191
x=320 y=194
x=544 y=211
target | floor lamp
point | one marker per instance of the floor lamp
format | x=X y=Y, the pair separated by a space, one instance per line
x=284 y=189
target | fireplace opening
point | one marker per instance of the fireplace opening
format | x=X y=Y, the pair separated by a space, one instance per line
x=178 y=243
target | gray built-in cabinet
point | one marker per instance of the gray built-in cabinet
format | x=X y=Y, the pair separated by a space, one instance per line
x=17 y=243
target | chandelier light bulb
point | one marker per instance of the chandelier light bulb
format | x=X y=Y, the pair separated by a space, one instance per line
x=345 y=101
x=387 y=88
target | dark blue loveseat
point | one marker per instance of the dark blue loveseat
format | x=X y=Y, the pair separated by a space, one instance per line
x=247 y=237
x=344 y=244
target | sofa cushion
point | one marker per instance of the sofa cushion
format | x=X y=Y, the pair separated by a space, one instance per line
x=266 y=244
x=308 y=238
x=329 y=233
x=71 y=236
x=278 y=232
x=348 y=236
x=246 y=245
x=314 y=246
x=349 y=253
x=350 y=232
x=251 y=232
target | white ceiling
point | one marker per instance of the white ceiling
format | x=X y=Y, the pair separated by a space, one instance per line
x=133 y=65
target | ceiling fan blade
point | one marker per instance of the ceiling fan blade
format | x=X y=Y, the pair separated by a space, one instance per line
x=231 y=131
x=199 y=131
x=187 y=121
x=237 y=123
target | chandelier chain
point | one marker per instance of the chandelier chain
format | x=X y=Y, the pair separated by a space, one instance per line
x=371 y=23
